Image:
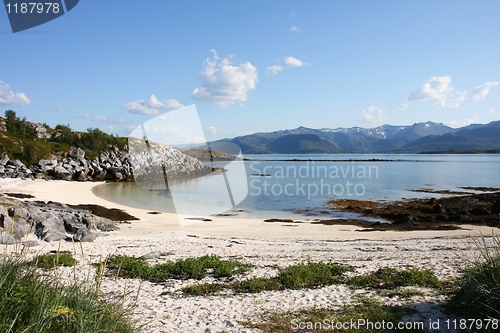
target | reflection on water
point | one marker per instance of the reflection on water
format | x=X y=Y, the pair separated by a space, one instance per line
x=279 y=185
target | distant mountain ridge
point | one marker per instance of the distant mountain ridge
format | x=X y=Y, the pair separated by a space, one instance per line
x=416 y=138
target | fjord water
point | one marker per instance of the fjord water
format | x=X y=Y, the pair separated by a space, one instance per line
x=287 y=183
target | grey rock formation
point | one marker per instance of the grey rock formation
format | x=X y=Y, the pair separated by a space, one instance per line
x=150 y=255
x=39 y=130
x=84 y=235
x=48 y=221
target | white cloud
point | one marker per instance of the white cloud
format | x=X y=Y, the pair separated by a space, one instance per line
x=151 y=105
x=61 y=109
x=223 y=83
x=293 y=62
x=295 y=28
x=273 y=70
x=8 y=97
x=479 y=93
x=440 y=90
x=492 y=111
x=465 y=122
x=373 y=114
x=213 y=130
x=293 y=15
x=104 y=119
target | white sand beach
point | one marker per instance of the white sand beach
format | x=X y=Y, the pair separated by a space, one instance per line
x=267 y=246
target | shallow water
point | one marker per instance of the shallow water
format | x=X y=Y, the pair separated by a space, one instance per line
x=276 y=184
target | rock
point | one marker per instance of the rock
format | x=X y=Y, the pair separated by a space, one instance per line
x=52 y=229
x=62 y=173
x=84 y=235
x=76 y=153
x=150 y=255
x=71 y=223
x=4 y=158
x=17 y=164
x=19 y=212
x=39 y=130
x=22 y=228
x=3 y=126
x=30 y=243
x=480 y=211
x=7 y=238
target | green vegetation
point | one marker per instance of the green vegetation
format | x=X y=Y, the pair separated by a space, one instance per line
x=388 y=278
x=325 y=320
x=51 y=260
x=190 y=268
x=37 y=302
x=20 y=142
x=478 y=292
x=302 y=275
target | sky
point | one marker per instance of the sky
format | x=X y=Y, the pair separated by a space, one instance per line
x=256 y=66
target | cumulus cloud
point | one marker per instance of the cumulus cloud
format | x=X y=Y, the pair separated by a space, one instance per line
x=295 y=28
x=151 y=106
x=479 y=93
x=104 y=119
x=465 y=122
x=273 y=70
x=224 y=83
x=213 y=130
x=373 y=114
x=293 y=62
x=440 y=90
x=492 y=111
x=8 y=97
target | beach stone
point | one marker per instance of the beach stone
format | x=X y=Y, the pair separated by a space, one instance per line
x=72 y=223
x=22 y=227
x=20 y=212
x=62 y=173
x=30 y=243
x=84 y=235
x=7 y=238
x=16 y=163
x=150 y=255
x=50 y=230
x=4 y=158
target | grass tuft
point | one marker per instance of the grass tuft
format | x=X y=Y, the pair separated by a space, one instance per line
x=190 y=268
x=36 y=302
x=477 y=294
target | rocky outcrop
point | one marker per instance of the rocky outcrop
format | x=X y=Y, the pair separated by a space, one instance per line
x=113 y=165
x=38 y=130
x=48 y=222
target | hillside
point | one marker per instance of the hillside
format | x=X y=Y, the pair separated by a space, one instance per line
x=416 y=138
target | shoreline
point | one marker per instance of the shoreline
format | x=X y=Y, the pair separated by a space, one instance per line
x=74 y=193
x=268 y=246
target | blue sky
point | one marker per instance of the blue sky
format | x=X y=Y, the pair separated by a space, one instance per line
x=256 y=65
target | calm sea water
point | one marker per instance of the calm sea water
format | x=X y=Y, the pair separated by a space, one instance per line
x=281 y=184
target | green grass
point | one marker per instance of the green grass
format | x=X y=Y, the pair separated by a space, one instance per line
x=190 y=268
x=51 y=260
x=37 y=302
x=388 y=278
x=323 y=320
x=477 y=294
x=302 y=275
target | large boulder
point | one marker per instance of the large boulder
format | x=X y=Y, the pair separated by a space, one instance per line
x=62 y=173
x=76 y=153
x=4 y=158
x=39 y=130
x=50 y=230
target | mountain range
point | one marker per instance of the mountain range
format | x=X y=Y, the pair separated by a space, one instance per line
x=428 y=137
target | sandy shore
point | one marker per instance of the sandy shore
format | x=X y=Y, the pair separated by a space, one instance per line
x=267 y=246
